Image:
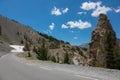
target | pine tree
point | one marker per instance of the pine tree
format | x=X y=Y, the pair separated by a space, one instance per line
x=66 y=58
x=42 y=52
x=110 y=55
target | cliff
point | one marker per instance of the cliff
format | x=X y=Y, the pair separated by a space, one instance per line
x=104 y=47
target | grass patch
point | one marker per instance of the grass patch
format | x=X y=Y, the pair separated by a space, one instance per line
x=4 y=37
x=28 y=55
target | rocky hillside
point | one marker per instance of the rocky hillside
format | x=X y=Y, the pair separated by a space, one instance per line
x=119 y=41
x=38 y=45
x=104 y=50
x=16 y=33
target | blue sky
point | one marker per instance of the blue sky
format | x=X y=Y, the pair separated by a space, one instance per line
x=68 y=20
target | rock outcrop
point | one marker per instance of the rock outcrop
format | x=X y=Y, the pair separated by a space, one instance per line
x=104 y=47
x=119 y=41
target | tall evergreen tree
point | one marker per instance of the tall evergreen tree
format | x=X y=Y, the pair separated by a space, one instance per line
x=110 y=55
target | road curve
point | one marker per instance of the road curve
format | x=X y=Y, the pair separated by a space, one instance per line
x=13 y=69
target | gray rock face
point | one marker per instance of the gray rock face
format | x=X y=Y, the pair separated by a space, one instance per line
x=119 y=41
x=104 y=44
x=14 y=33
x=4 y=47
x=0 y=30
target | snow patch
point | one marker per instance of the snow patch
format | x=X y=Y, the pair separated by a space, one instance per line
x=17 y=48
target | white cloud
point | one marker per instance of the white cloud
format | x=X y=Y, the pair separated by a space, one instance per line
x=100 y=10
x=90 y=5
x=82 y=13
x=117 y=10
x=97 y=8
x=64 y=26
x=77 y=24
x=52 y=26
x=75 y=37
x=65 y=10
x=56 y=11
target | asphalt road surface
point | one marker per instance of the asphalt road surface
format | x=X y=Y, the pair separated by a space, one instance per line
x=13 y=69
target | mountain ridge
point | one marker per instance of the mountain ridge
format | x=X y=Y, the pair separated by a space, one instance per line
x=43 y=47
x=39 y=45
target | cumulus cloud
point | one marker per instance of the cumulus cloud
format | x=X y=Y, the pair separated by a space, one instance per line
x=117 y=10
x=77 y=24
x=65 y=10
x=56 y=11
x=64 y=26
x=100 y=10
x=82 y=13
x=90 y=5
x=97 y=8
x=52 y=26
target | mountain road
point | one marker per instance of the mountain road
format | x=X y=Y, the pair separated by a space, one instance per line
x=13 y=69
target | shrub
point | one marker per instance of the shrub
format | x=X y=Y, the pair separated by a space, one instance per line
x=53 y=59
x=29 y=54
x=66 y=58
x=21 y=41
x=41 y=52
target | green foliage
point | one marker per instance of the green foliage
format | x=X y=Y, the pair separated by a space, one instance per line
x=109 y=52
x=85 y=49
x=67 y=42
x=4 y=37
x=21 y=41
x=50 y=38
x=67 y=47
x=26 y=37
x=81 y=53
x=73 y=49
x=34 y=49
x=14 y=21
x=41 y=52
x=29 y=54
x=64 y=46
x=117 y=63
x=53 y=59
x=112 y=57
x=66 y=59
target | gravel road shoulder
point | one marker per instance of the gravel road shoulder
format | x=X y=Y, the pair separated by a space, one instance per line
x=93 y=72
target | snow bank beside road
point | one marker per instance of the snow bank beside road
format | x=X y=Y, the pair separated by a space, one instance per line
x=17 y=48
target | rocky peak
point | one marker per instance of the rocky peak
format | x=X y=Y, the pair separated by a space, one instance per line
x=103 y=44
x=103 y=24
x=102 y=17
